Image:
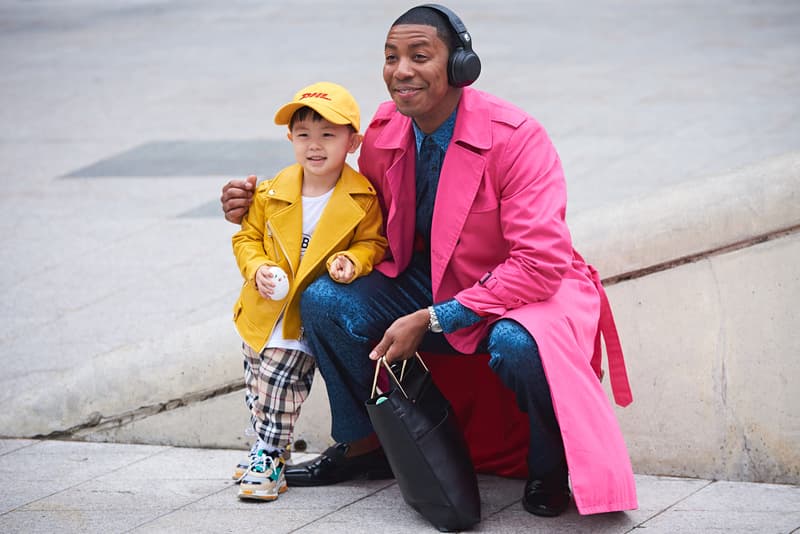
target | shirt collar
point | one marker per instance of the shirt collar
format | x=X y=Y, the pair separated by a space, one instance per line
x=441 y=136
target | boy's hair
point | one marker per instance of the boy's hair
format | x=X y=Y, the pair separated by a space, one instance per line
x=430 y=17
x=305 y=113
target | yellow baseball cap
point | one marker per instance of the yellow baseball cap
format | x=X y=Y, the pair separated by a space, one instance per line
x=330 y=100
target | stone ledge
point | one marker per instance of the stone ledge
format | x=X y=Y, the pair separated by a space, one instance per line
x=692 y=219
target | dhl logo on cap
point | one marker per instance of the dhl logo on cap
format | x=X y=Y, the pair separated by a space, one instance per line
x=323 y=96
x=330 y=100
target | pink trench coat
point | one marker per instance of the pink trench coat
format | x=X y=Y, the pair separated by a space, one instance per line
x=500 y=245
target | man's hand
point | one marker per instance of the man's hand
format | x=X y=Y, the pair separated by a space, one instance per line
x=342 y=269
x=236 y=198
x=401 y=339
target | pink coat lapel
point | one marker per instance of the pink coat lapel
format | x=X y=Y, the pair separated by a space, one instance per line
x=461 y=175
x=397 y=139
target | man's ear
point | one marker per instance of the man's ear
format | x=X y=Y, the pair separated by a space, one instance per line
x=355 y=142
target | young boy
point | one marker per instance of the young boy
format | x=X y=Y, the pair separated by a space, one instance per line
x=315 y=215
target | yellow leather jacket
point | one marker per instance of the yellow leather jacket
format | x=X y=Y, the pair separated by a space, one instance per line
x=272 y=232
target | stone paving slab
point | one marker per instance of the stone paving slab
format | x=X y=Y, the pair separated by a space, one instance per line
x=93 y=487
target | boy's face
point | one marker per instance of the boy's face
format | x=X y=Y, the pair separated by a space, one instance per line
x=321 y=147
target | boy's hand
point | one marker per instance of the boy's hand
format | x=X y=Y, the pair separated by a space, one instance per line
x=342 y=269
x=236 y=198
x=264 y=282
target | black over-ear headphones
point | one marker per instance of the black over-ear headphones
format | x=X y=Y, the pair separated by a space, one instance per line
x=464 y=65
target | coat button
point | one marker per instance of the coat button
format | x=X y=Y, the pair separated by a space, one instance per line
x=271 y=192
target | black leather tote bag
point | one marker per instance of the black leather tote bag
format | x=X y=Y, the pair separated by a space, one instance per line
x=425 y=446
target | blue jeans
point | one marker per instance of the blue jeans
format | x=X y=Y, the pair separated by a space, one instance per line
x=343 y=323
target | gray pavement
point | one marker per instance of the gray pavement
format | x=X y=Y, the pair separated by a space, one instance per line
x=119 y=123
x=57 y=486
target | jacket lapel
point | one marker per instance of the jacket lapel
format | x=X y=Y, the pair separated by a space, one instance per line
x=397 y=136
x=462 y=172
x=286 y=223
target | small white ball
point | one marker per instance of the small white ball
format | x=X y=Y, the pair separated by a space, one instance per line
x=281 y=281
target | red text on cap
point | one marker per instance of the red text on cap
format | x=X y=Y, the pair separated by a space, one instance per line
x=322 y=96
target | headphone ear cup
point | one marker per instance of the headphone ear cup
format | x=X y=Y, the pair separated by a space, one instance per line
x=463 y=67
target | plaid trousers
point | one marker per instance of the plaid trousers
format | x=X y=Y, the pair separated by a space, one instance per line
x=276 y=382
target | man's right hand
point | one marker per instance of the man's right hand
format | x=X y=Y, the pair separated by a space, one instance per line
x=236 y=198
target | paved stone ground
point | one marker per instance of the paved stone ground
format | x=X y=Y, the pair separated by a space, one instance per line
x=57 y=486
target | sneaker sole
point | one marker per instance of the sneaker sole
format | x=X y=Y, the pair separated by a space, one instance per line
x=259 y=496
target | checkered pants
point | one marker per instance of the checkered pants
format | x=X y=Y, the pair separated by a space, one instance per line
x=276 y=381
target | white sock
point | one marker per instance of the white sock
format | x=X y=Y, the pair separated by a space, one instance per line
x=269 y=449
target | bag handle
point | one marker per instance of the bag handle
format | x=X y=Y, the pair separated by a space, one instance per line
x=382 y=361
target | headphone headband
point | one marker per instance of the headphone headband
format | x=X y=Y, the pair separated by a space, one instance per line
x=464 y=65
x=455 y=23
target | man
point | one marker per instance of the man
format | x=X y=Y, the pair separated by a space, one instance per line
x=483 y=264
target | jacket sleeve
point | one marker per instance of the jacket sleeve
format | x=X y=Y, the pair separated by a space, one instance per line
x=248 y=243
x=368 y=244
x=532 y=202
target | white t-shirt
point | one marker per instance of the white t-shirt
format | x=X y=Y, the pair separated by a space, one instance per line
x=312 y=211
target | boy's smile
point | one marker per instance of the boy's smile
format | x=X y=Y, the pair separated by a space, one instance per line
x=321 y=147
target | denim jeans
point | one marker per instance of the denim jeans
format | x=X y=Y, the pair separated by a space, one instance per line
x=343 y=322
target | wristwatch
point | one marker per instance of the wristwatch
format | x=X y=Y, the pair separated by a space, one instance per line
x=433 y=325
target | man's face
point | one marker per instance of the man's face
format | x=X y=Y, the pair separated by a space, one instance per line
x=415 y=72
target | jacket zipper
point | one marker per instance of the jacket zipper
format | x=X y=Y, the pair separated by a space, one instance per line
x=270 y=234
x=274 y=238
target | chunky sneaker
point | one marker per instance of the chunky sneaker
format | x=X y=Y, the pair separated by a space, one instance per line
x=242 y=467
x=264 y=480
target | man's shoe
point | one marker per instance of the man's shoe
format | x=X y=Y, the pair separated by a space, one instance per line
x=333 y=466
x=548 y=498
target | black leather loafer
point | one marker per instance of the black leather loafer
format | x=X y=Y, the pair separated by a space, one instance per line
x=548 y=498
x=333 y=466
